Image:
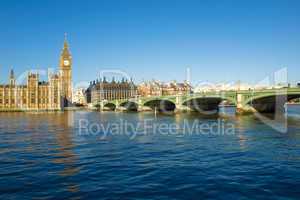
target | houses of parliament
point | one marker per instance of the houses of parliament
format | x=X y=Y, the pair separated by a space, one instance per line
x=36 y=95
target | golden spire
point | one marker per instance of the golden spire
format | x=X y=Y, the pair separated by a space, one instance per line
x=66 y=42
x=65 y=50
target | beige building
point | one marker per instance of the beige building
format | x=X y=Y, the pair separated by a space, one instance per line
x=36 y=95
x=103 y=90
x=156 y=88
x=79 y=96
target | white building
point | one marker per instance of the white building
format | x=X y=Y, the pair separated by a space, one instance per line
x=78 y=96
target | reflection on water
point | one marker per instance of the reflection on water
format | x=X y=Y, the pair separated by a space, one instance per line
x=44 y=156
x=36 y=140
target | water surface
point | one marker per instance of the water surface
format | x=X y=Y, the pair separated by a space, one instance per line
x=48 y=156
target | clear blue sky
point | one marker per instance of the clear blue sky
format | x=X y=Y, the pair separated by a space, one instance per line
x=219 y=40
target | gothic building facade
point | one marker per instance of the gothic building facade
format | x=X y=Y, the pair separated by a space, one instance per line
x=36 y=95
x=104 y=90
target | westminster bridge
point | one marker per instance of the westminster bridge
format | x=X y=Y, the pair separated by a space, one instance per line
x=265 y=101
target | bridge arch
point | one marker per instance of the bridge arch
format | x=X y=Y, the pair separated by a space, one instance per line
x=270 y=103
x=129 y=105
x=109 y=106
x=206 y=104
x=161 y=105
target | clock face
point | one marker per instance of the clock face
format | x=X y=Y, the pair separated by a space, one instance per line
x=66 y=62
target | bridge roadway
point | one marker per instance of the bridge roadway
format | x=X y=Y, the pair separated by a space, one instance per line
x=246 y=101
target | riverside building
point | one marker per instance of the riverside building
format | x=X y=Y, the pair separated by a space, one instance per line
x=36 y=95
x=104 y=90
x=156 y=88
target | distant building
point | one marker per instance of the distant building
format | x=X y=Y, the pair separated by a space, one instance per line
x=104 y=90
x=153 y=88
x=174 y=88
x=79 y=96
x=218 y=87
x=39 y=95
x=156 y=88
x=34 y=95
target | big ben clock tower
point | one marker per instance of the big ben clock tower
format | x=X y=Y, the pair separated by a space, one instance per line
x=66 y=74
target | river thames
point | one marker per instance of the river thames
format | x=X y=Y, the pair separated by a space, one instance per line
x=79 y=155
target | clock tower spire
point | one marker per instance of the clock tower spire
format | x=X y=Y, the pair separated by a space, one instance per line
x=66 y=73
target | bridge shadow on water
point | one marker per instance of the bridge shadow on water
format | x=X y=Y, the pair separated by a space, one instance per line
x=129 y=106
x=206 y=106
x=162 y=106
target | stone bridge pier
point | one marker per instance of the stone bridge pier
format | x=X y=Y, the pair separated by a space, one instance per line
x=179 y=105
x=241 y=107
x=140 y=105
